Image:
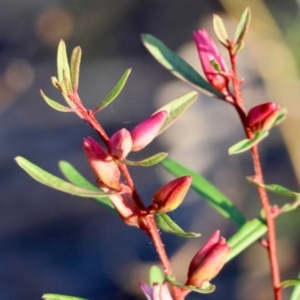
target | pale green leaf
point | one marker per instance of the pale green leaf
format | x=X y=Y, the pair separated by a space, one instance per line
x=55 y=105
x=247 y=144
x=281 y=116
x=242 y=26
x=63 y=69
x=54 y=182
x=60 y=297
x=165 y=223
x=75 y=67
x=149 y=161
x=177 y=107
x=220 y=30
x=176 y=65
x=296 y=291
x=156 y=276
x=113 y=94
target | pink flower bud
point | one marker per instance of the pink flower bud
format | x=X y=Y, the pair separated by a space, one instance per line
x=102 y=164
x=263 y=116
x=208 y=261
x=146 y=131
x=170 y=196
x=208 y=51
x=126 y=209
x=120 y=144
x=156 y=292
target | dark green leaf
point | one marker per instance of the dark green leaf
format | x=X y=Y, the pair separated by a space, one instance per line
x=250 y=232
x=176 y=108
x=205 y=189
x=165 y=223
x=115 y=91
x=176 y=64
x=274 y=188
x=55 y=104
x=75 y=67
x=54 y=182
x=76 y=178
x=247 y=144
x=60 y=297
x=156 y=276
x=150 y=161
x=205 y=289
x=242 y=26
x=220 y=30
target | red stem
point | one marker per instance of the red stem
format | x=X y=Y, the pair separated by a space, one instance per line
x=270 y=218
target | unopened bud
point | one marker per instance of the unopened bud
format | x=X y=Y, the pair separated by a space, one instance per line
x=208 y=53
x=208 y=261
x=102 y=164
x=170 y=196
x=120 y=144
x=263 y=116
x=147 y=130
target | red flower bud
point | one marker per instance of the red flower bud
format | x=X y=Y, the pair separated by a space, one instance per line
x=263 y=116
x=208 y=51
x=102 y=164
x=208 y=261
x=170 y=196
x=146 y=131
x=120 y=144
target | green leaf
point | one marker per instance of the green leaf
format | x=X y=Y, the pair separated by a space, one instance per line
x=205 y=289
x=281 y=116
x=296 y=291
x=274 y=188
x=54 y=182
x=209 y=192
x=156 y=276
x=147 y=162
x=55 y=104
x=75 y=67
x=76 y=178
x=247 y=144
x=165 y=223
x=114 y=92
x=60 y=297
x=220 y=30
x=289 y=282
x=176 y=108
x=242 y=26
x=250 y=232
x=63 y=69
x=176 y=64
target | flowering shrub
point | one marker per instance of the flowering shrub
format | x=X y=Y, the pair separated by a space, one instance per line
x=116 y=190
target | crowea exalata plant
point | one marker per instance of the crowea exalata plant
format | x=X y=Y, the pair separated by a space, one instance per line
x=116 y=190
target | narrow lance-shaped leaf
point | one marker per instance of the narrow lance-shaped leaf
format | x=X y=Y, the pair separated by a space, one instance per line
x=113 y=94
x=60 y=297
x=296 y=291
x=274 y=188
x=147 y=162
x=250 y=232
x=55 y=105
x=220 y=30
x=209 y=192
x=242 y=26
x=205 y=289
x=247 y=144
x=165 y=223
x=76 y=178
x=62 y=62
x=289 y=282
x=176 y=64
x=75 y=67
x=54 y=182
x=176 y=108
x=281 y=116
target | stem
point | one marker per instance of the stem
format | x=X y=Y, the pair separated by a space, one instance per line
x=270 y=243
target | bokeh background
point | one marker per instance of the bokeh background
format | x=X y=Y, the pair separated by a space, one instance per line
x=55 y=243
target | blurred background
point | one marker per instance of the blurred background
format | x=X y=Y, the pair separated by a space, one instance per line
x=55 y=243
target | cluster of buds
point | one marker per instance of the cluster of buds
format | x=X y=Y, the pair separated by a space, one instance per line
x=208 y=261
x=263 y=116
x=213 y=64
